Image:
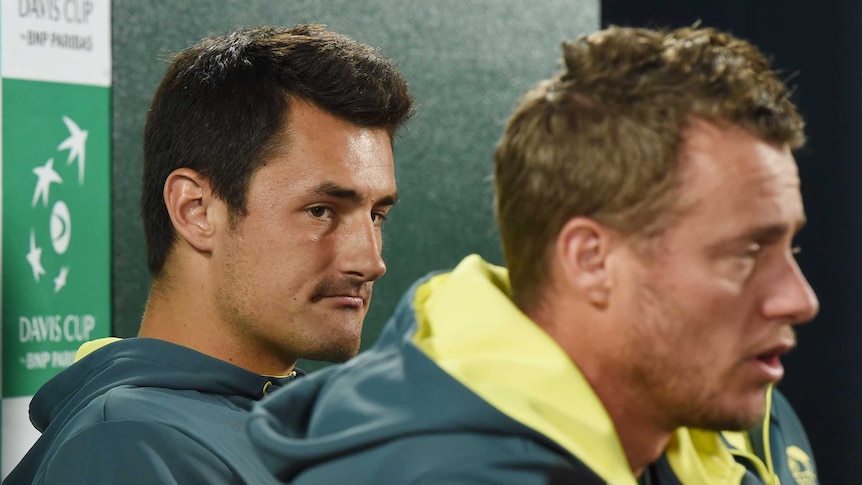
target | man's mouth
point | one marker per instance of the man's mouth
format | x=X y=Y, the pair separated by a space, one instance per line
x=770 y=360
x=344 y=300
x=347 y=295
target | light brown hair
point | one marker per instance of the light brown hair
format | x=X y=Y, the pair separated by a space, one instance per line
x=602 y=138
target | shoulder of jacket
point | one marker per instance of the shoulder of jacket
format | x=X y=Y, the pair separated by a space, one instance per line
x=131 y=452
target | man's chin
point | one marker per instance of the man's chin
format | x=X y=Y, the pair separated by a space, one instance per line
x=739 y=418
x=740 y=423
x=335 y=353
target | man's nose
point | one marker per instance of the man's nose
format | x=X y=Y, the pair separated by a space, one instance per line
x=363 y=250
x=793 y=298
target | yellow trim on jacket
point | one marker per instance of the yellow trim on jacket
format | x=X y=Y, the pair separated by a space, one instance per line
x=742 y=447
x=88 y=348
x=700 y=456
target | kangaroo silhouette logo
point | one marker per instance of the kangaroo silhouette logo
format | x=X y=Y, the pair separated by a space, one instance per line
x=800 y=466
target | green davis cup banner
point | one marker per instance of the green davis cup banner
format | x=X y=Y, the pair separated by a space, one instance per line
x=55 y=65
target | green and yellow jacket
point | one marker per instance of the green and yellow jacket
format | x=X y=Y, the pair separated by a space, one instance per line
x=462 y=388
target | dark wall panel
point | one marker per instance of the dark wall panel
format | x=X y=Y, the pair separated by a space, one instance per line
x=467 y=62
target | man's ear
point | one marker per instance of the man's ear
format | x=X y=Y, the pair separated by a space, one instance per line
x=192 y=206
x=582 y=251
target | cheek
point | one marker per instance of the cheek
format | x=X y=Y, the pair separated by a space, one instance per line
x=691 y=320
x=715 y=332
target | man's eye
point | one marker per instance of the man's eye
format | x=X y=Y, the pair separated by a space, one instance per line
x=319 y=212
x=752 y=251
x=378 y=217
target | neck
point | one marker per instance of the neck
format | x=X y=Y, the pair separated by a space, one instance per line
x=641 y=434
x=642 y=440
x=188 y=317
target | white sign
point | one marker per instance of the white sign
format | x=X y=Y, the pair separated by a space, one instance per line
x=67 y=41
x=55 y=63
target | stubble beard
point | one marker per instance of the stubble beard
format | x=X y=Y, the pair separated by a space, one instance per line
x=342 y=341
x=336 y=349
x=678 y=393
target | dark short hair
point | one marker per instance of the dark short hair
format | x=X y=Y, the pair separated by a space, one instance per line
x=602 y=139
x=223 y=101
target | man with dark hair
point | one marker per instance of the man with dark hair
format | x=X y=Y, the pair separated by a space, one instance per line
x=647 y=199
x=268 y=172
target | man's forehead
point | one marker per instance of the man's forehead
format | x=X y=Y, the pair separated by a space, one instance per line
x=726 y=168
x=714 y=154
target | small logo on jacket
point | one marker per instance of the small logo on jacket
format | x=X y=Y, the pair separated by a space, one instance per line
x=799 y=464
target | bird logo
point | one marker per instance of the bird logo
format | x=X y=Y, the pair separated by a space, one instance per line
x=60 y=221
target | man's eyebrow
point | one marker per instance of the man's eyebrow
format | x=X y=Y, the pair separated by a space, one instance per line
x=389 y=200
x=332 y=189
x=773 y=232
